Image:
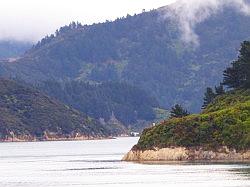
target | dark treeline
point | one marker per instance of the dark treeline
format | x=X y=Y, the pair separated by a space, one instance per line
x=126 y=102
x=237 y=76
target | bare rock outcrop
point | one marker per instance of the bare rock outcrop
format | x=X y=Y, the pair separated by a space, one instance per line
x=186 y=154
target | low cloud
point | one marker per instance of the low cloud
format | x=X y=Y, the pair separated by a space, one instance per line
x=189 y=13
x=31 y=20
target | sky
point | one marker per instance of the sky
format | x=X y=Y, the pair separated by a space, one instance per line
x=31 y=20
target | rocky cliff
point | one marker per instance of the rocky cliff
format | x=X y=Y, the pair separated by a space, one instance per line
x=187 y=154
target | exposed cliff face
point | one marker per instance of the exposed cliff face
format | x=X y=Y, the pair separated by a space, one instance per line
x=186 y=154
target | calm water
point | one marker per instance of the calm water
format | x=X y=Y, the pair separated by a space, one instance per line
x=97 y=163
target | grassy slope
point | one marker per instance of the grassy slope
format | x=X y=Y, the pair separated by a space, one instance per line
x=25 y=111
x=225 y=122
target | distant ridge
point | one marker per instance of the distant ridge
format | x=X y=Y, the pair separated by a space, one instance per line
x=28 y=115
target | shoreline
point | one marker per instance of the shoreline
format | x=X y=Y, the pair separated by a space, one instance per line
x=192 y=162
x=55 y=140
x=53 y=136
x=50 y=137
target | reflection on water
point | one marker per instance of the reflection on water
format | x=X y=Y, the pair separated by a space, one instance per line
x=241 y=171
x=97 y=163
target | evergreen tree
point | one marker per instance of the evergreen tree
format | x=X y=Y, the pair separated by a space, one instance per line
x=232 y=76
x=178 y=111
x=244 y=61
x=208 y=97
x=238 y=75
x=219 y=90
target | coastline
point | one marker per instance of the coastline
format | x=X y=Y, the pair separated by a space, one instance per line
x=186 y=154
x=51 y=137
x=55 y=140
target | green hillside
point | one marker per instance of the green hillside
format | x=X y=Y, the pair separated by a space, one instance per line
x=143 y=50
x=26 y=112
x=128 y=103
x=225 y=122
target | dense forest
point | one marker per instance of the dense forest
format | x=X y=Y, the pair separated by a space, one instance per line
x=225 y=121
x=143 y=50
x=28 y=114
x=127 y=103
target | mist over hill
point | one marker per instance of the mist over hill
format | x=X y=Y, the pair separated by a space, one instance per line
x=143 y=50
x=13 y=49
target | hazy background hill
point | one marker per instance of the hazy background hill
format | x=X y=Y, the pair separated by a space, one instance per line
x=142 y=50
x=12 y=49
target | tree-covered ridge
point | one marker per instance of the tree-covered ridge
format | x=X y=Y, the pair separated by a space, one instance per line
x=25 y=111
x=221 y=102
x=142 y=50
x=226 y=122
x=127 y=103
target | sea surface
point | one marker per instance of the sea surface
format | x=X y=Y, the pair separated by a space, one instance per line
x=97 y=163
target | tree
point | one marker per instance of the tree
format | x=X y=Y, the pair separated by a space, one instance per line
x=219 y=90
x=232 y=76
x=178 y=111
x=208 y=97
x=238 y=75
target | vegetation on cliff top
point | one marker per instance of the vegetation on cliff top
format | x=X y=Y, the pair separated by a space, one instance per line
x=225 y=121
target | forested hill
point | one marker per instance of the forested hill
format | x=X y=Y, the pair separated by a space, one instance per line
x=13 y=49
x=27 y=114
x=127 y=103
x=143 y=50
